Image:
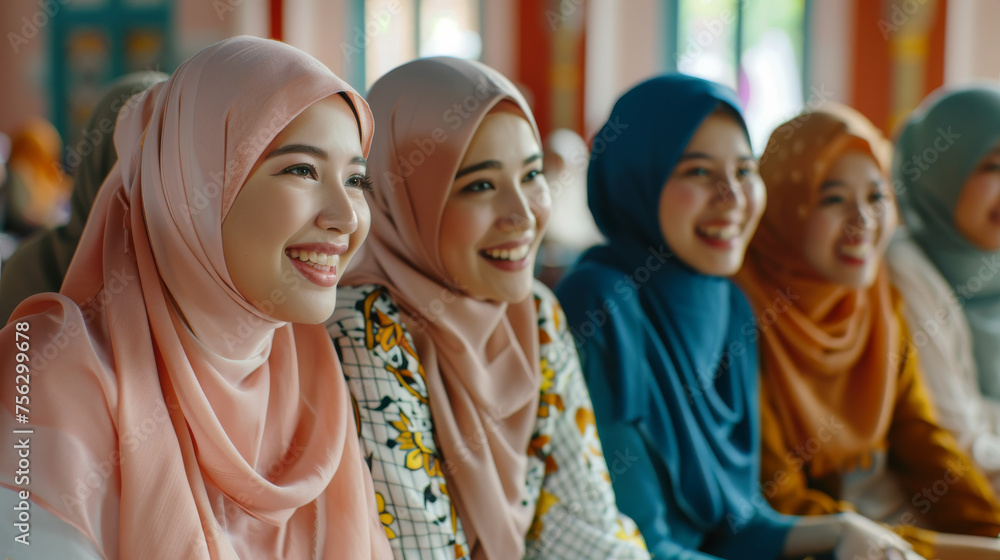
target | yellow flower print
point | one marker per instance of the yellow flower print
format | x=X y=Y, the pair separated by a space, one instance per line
x=419 y=456
x=384 y=516
x=545 y=502
x=548 y=374
x=459 y=549
x=549 y=400
x=631 y=535
x=584 y=419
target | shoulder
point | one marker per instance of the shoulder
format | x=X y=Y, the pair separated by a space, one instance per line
x=361 y=306
x=593 y=292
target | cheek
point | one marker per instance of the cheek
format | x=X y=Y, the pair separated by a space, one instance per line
x=461 y=227
x=680 y=206
x=756 y=201
x=820 y=235
x=977 y=199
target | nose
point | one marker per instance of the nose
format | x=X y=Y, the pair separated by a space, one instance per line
x=730 y=192
x=337 y=211
x=515 y=210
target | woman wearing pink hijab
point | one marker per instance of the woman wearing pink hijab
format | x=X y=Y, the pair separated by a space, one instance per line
x=472 y=410
x=176 y=397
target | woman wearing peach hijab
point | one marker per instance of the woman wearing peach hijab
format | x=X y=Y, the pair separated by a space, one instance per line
x=177 y=396
x=846 y=420
x=472 y=409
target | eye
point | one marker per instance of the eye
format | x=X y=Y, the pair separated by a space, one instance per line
x=363 y=182
x=696 y=172
x=305 y=170
x=879 y=196
x=532 y=175
x=831 y=200
x=992 y=167
x=478 y=186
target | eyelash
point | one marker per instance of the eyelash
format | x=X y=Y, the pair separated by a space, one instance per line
x=530 y=176
x=877 y=196
x=364 y=182
x=743 y=172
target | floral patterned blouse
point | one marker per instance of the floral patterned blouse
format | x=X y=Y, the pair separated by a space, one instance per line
x=568 y=480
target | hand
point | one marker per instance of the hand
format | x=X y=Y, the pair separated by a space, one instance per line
x=867 y=539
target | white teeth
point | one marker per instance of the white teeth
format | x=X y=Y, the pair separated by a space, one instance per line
x=509 y=254
x=857 y=251
x=723 y=233
x=313 y=258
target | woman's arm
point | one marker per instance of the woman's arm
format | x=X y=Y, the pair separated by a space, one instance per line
x=782 y=477
x=946 y=487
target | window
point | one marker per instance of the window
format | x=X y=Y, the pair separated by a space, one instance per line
x=757 y=48
x=398 y=31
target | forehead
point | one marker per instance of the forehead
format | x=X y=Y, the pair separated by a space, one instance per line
x=719 y=131
x=502 y=134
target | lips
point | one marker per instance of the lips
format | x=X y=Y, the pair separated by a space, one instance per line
x=509 y=256
x=317 y=262
x=718 y=234
x=856 y=253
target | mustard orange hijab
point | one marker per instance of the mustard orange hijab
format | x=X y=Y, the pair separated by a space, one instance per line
x=172 y=418
x=480 y=358
x=829 y=353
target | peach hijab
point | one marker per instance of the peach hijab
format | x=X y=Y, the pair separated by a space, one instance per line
x=172 y=418
x=829 y=352
x=480 y=358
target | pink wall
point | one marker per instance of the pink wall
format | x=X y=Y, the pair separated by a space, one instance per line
x=23 y=63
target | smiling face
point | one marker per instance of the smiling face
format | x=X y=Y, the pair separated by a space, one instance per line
x=848 y=230
x=300 y=216
x=496 y=211
x=713 y=201
x=977 y=212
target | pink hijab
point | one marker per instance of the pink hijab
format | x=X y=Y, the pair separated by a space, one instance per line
x=480 y=358
x=172 y=419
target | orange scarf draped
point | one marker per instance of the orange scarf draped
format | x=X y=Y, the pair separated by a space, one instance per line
x=828 y=352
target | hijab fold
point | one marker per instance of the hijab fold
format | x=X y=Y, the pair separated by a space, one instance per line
x=829 y=353
x=956 y=129
x=259 y=452
x=484 y=406
x=680 y=363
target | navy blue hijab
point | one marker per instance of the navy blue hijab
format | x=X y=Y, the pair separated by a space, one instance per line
x=679 y=357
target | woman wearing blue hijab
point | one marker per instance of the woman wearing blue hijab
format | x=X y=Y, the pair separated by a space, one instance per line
x=668 y=343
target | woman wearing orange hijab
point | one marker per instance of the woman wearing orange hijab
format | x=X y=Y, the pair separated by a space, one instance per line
x=40 y=189
x=846 y=421
x=179 y=397
x=472 y=408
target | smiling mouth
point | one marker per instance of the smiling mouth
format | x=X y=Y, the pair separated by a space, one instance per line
x=319 y=261
x=857 y=253
x=719 y=233
x=509 y=255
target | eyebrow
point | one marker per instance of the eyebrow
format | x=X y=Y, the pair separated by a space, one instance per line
x=311 y=150
x=831 y=184
x=703 y=155
x=494 y=164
